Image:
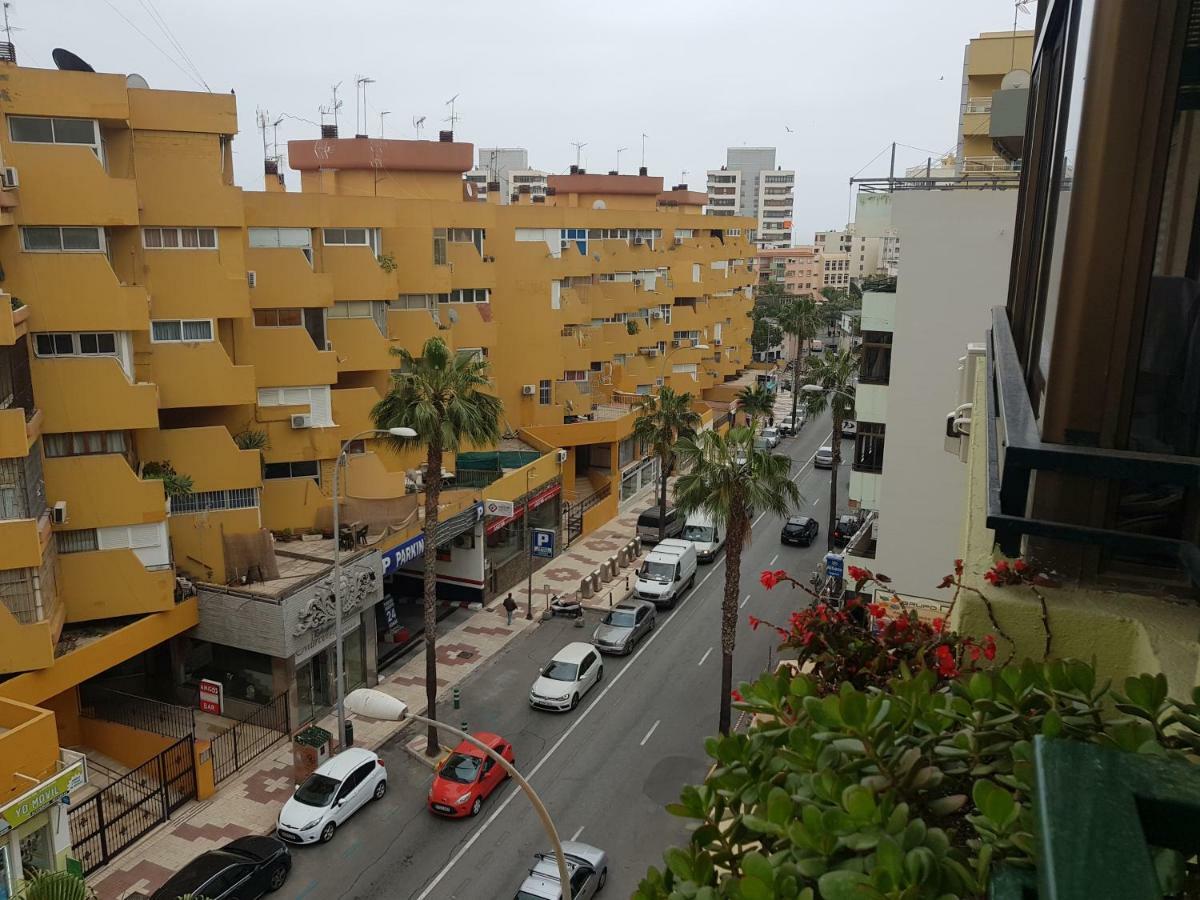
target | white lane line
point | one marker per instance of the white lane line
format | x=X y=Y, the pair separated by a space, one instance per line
x=744 y=602
x=650 y=732
x=587 y=710
x=773 y=558
x=704 y=657
x=817 y=502
x=578 y=832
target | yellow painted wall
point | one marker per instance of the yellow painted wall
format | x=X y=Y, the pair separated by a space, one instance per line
x=102 y=490
x=28 y=745
x=65 y=707
x=197 y=540
x=110 y=401
x=102 y=584
x=129 y=746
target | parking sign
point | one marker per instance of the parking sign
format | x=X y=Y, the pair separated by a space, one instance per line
x=834 y=565
x=542 y=542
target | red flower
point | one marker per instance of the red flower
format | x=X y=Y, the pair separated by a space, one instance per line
x=945 y=662
x=958 y=567
x=754 y=623
x=1021 y=566
x=991 y=577
x=783 y=633
x=877 y=610
x=768 y=580
x=737 y=697
x=857 y=574
x=1001 y=566
x=974 y=650
x=989 y=651
x=938 y=625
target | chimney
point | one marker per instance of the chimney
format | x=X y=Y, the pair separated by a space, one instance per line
x=643 y=171
x=583 y=171
x=328 y=132
x=574 y=170
x=272 y=179
x=446 y=137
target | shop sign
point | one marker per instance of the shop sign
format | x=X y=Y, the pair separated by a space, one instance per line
x=42 y=797
x=212 y=696
x=498 y=507
x=400 y=556
x=535 y=501
x=389 y=613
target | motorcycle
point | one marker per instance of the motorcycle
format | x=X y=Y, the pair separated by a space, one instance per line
x=572 y=609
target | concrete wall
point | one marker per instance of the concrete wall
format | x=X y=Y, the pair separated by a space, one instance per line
x=957 y=251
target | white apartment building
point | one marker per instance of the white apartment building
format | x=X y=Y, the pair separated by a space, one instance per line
x=867 y=246
x=912 y=341
x=509 y=168
x=750 y=184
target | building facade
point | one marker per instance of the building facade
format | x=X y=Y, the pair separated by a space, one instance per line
x=505 y=171
x=995 y=84
x=751 y=185
x=794 y=269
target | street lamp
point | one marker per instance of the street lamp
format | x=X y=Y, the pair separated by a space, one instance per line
x=818 y=389
x=337 y=569
x=374 y=704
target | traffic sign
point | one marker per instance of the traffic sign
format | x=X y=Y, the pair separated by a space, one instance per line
x=542 y=542
x=834 y=565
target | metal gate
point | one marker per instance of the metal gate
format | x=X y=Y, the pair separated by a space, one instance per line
x=113 y=818
x=255 y=734
x=575 y=512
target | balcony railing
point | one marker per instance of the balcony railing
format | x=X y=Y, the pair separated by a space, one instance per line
x=1015 y=451
x=978 y=105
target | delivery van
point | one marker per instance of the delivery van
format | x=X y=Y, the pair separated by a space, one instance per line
x=667 y=571
x=647 y=524
x=706 y=534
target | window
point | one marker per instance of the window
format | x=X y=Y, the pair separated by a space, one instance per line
x=79 y=541
x=307 y=469
x=351 y=309
x=316 y=398
x=31 y=130
x=478 y=353
x=868 y=447
x=575 y=375
x=352 y=237
x=85 y=443
x=281 y=238
x=544 y=396
x=278 y=318
x=439 y=246
x=418 y=301
x=211 y=501
x=53 y=239
x=180 y=330
x=179 y=238
x=468 y=295
x=467 y=236
x=576 y=236
x=83 y=343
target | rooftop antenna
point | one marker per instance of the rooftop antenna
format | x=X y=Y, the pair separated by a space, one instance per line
x=275 y=139
x=336 y=105
x=453 y=117
x=644 y=136
x=360 y=84
x=620 y=150
x=578 y=145
x=261 y=118
x=9 y=28
x=418 y=122
x=386 y=112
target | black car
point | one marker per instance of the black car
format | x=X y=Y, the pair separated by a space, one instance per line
x=244 y=869
x=846 y=528
x=799 y=530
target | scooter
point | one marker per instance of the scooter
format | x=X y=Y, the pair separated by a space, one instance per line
x=572 y=609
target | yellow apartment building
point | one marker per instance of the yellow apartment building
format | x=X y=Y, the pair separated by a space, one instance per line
x=991 y=120
x=155 y=316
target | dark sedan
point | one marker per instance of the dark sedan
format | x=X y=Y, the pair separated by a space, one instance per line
x=243 y=869
x=799 y=530
x=846 y=528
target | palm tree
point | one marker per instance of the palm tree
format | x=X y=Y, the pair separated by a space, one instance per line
x=439 y=395
x=834 y=376
x=756 y=402
x=662 y=420
x=730 y=480
x=800 y=318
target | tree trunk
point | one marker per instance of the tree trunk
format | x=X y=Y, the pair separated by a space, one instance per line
x=662 y=499
x=433 y=490
x=833 y=478
x=734 y=535
x=796 y=383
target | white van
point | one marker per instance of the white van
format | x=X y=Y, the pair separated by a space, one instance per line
x=707 y=535
x=667 y=571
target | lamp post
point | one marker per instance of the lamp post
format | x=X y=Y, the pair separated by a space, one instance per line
x=337 y=570
x=836 y=444
x=528 y=545
x=663 y=369
x=373 y=704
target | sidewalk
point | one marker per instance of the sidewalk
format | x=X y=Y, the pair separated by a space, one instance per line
x=249 y=802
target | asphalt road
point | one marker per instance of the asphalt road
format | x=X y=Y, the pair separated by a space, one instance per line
x=605 y=771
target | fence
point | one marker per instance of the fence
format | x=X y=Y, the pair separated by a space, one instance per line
x=141 y=713
x=575 y=512
x=117 y=815
x=253 y=735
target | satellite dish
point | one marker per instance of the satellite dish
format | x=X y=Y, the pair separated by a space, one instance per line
x=136 y=81
x=599 y=204
x=1015 y=80
x=69 y=62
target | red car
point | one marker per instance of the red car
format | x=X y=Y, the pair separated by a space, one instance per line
x=468 y=777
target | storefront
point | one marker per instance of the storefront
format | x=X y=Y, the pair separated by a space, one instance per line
x=506 y=556
x=638 y=476
x=35 y=835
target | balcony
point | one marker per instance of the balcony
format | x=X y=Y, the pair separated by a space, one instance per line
x=468 y=269
x=862 y=544
x=22 y=542
x=19 y=429
x=12 y=321
x=575 y=397
x=28 y=748
x=285 y=356
x=207 y=454
x=359 y=346
x=67 y=185
x=77 y=292
x=475 y=326
x=103 y=490
x=356 y=274
x=200 y=374
x=575 y=345
x=91 y=394
x=193 y=283
x=284 y=278
x=107 y=584
x=411 y=328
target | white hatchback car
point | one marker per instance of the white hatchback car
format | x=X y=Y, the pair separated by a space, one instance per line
x=574 y=670
x=331 y=795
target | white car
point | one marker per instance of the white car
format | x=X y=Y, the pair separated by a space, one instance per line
x=823 y=459
x=574 y=670
x=331 y=795
x=587 y=866
x=771 y=436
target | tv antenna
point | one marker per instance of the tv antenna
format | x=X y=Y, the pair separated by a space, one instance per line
x=644 y=136
x=332 y=109
x=264 y=122
x=620 y=150
x=9 y=28
x=578 y=145
x=453 y=117
x=360 y=84
x=386 y=112
x=418 y=122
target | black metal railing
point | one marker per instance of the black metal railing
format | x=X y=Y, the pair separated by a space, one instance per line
x=476 y=478
x=250 y=737
x=142 y=713
x=1015 y=451
x=575 y=512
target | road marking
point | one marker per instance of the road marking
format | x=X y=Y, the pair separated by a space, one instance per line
x=817 y=502
x=651 y=731
x=579 y=720
x=744 y=602
x=704 y=657
x=578 y=832
x=308 y=889
x=773 y=558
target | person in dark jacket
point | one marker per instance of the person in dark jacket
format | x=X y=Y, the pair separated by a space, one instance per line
x=510 y=606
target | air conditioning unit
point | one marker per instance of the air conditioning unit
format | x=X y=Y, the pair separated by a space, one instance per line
x=252 y=279
x=528 y=390
x=656 y=313
x=58 y=512
x=9 y=178
x=637 y=241
x=653 y=351
x=562 y=455
x=675 y=344
x=301 y=420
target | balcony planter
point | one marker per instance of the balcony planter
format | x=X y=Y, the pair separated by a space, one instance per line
x=310 y=748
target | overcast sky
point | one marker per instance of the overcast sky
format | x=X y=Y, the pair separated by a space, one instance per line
x=696 y=76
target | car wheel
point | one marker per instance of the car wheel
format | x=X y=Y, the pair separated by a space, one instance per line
x=380 y=789
x=599 y=674
x=692 y=581
x=476 y=806
x=574 y=701
x=327 y=832
x=277 y=877
x=603 y=879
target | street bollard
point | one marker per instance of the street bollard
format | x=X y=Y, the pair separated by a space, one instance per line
x=463 y=727
x=457 y=693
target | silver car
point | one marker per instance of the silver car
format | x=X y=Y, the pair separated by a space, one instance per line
x=625 y=625
x=588 y=866
x=823 y=459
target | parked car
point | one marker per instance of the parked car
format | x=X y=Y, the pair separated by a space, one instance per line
x=243 y=869
x=331 y=795
x=706 y=534
x=799 y=530
x=823 y=458
x=849 y=428
x=588 y=867
x=789 y=426
x=572 y=672
x=667 y=571
x=771 y=436
x=468 y=777
x=847 y=527
x=647 y=524
x=623 y=626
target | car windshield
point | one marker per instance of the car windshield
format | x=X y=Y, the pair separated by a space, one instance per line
x=796 y=526
x=318 y=790
x=561 y=671
x=622 y=618
x=461 y=768
x=658 y=571
x=701 y=533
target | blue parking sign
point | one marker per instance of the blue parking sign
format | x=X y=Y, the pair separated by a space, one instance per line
x=542 y=542
x=834 y=565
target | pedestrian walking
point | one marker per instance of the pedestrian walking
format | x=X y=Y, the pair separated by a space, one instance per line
x=510 y=606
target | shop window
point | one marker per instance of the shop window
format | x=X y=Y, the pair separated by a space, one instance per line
x=244 y=674
x=37 y=854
